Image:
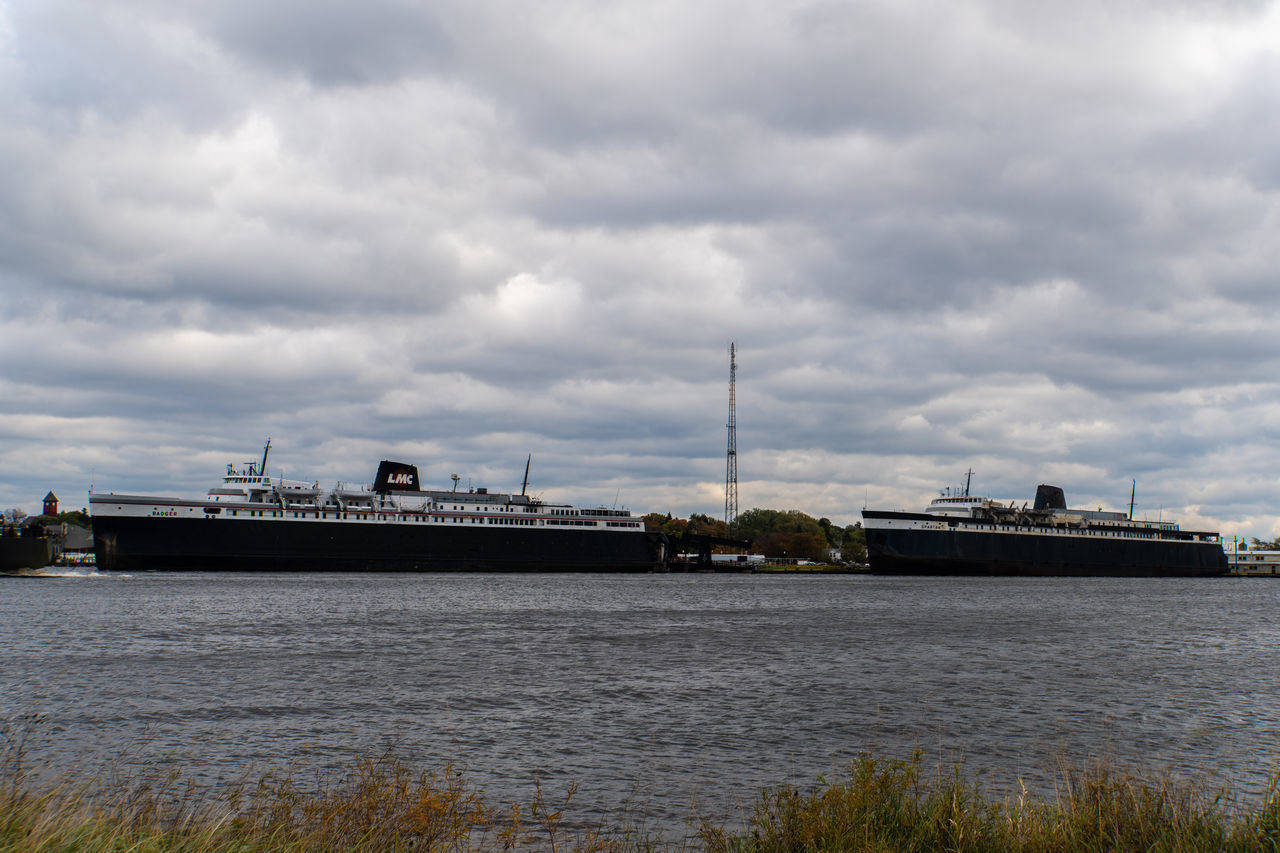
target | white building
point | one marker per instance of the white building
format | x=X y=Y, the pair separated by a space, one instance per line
x=1246 y=562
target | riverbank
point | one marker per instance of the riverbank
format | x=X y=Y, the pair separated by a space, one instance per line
x=818 y=569
x=383 y=804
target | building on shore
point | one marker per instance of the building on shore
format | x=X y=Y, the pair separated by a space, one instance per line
x=1242 y=560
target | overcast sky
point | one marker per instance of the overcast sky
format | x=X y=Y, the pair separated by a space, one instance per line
x=1040 y=243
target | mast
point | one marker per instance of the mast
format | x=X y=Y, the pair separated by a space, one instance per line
x=968 y=478
x=525 y=484
x=262 y=470
x=731 y=456
x=1132 y=491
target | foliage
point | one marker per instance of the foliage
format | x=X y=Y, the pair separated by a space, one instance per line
x=792 y=533
x=894 y=806
x=784 y=533
x=853 y=544
x=773 y=533
x=705 y=525
x=696 y=524
x=76 y=517
x=382 y=805
x=657 y=522
x=881 y=805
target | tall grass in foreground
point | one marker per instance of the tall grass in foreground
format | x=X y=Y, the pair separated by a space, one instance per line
x=891 y=806
x=382 y=805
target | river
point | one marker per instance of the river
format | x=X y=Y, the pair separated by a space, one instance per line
x=667 y=695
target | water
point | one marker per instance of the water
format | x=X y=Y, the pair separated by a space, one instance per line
x=664 y=694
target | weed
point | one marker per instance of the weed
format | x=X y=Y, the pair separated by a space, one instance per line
x=383 y=804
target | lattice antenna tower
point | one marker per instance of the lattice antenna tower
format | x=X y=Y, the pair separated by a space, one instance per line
x=731 y=457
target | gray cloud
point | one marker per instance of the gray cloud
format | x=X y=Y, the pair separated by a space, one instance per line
x=1035 y=242
x=330 y=43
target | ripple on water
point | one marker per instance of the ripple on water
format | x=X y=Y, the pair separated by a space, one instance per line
x=670 y=689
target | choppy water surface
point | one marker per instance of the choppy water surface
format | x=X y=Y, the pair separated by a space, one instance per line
x=657 y=691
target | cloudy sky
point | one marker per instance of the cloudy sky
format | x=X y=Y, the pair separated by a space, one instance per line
x=1035 y=240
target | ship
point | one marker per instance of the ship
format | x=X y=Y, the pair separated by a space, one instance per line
x=25 y=548
x=959 y=534
x=254 y=521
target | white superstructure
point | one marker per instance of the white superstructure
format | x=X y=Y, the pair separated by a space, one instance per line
x=249 y=492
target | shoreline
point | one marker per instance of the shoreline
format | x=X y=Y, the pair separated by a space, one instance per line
x=383 y=803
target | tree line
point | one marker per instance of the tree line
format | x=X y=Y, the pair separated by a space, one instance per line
x=774 y=533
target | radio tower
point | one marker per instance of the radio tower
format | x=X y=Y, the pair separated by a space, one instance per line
x=731 y=457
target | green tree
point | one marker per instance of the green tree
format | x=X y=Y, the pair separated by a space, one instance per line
x=704 y=525
x=78 y=517
x=657 y=522
x=774 y=533
x=784 y=533
x=653 y=521
x=853 y=546
x=832 y=533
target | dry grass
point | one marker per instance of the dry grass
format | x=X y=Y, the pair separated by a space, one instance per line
x=894 y=806
x=383 y=805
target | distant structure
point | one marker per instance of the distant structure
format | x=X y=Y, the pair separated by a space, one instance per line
x=731 y=457
x=51 y=504
x=1241 y=560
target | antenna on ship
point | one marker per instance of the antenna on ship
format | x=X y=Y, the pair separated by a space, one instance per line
x=731 y=456
x=967 y=480
x=1132 y=491
x=455 y=479
x=262 y=469
x=525 y=484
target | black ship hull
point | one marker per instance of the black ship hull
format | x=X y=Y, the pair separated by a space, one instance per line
x=950 y=552
x=25 y=552
x=123 y=543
